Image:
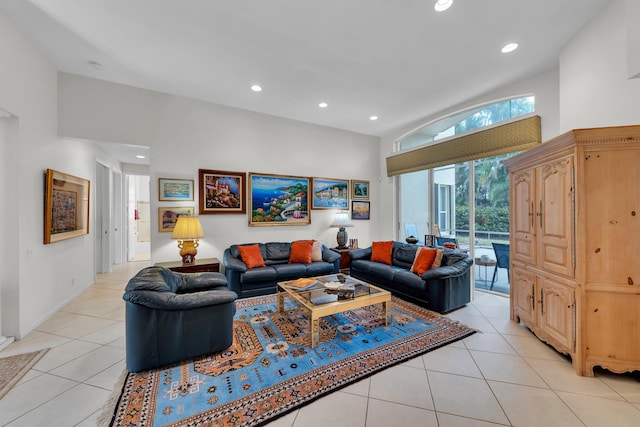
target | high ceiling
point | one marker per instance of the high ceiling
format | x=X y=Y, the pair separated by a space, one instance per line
x=399 y=60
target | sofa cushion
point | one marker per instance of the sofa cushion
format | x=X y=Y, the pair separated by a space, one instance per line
x=423 y=260
x=409 y=280
x=381 y=270
x=381 y=252
x=404 y=254
x=316 y=251
x=251 y=256
x=278 y=251
x=301 y=252
x=319 y=269
x=289 y=271
x=262 y=274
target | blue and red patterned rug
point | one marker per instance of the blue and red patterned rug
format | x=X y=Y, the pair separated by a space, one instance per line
x=270 y=368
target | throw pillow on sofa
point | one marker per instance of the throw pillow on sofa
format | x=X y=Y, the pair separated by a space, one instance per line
x=316 y=251
x=301 y=252
x=381 y=252
x=438 y=261
x=252 y=256
x=423 y=260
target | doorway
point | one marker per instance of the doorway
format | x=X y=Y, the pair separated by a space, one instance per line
x=138 y=218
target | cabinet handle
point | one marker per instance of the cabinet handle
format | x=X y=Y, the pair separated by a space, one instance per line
x=531 y=214
x=533 y=299
x=539 y=214
x=541 y=302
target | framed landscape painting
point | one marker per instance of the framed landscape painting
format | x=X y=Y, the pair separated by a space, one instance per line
x=330 y=193
x=222 y=192
x=167 y=217
x=359 y=189
x=278 y=200
x=175 y=190
x=66 y=206
x=360 y=210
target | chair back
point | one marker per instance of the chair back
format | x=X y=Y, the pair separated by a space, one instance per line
x=502 y=254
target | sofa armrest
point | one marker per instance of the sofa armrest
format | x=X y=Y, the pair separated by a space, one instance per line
x=364 y=253
x=171 y=301
x=232 y=263
x=329 y=256
x=457 y=269
x=197 y=282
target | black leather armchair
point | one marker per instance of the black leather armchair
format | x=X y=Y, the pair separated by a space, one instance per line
x=173 y=316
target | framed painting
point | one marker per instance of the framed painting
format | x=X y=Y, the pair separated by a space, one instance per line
x=328 y=193
x=278 y=200
x=167 y=217
x=222 y=192
x=360 y=209
x=175 y=190
x=359 y=189
x=66 y=206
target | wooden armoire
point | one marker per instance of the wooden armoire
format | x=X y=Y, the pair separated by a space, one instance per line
x=575 y=245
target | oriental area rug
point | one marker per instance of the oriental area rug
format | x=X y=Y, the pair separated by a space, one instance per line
x=270 y=368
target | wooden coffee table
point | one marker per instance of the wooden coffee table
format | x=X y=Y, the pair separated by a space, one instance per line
x=322 y=300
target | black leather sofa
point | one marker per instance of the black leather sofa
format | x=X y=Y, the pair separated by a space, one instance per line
x=440 y=289
x=263 y=280
x=171 y=317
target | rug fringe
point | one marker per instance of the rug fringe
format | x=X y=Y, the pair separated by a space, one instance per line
x=109 y=408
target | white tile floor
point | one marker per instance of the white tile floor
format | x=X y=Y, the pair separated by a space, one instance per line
x=501 y=376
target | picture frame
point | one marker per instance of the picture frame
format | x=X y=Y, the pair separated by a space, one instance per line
x=175 y=190
x=168 y=216
x=360 y=210
x=359 y=189
x=222 y=192
x=278 y=200
x=329 y=193
x=66 y=206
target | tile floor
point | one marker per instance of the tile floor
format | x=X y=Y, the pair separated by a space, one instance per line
x=500 y=376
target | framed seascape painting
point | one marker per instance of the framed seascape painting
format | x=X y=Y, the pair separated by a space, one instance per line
x=330 y=193
x=360 y=210
x=359 y=189
x=278 y=200
x=175 y=190
x=66 y=206
x=222 y=192
x=167 y=217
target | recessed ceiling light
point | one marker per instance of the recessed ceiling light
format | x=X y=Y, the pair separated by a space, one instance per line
x=256 y=88
x=139 y=156
x=323 y=105
x=510 y=47
x=372 y=118
x=442 y=5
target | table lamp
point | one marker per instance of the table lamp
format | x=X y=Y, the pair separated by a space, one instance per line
x=341 y=221
x=187 y=232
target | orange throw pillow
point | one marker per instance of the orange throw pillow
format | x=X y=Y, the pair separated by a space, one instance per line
x=301 y=252
x=251 y=255
x=381 y=252
x=423 y=260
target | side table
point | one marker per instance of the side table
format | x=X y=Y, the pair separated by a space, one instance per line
x=199 y=266
x=345 y=259
x=486 y=263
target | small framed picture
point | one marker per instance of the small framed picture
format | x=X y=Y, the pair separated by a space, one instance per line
x=167 y=217
x=175 y=190
x=360 y=209
x=359 y=189
x=329 y=193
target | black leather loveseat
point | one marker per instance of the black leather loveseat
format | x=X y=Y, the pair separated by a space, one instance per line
x=248 y=282
x=441 y=289
x=171 y=317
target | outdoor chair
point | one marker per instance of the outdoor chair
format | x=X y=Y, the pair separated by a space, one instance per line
x=502 y=261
